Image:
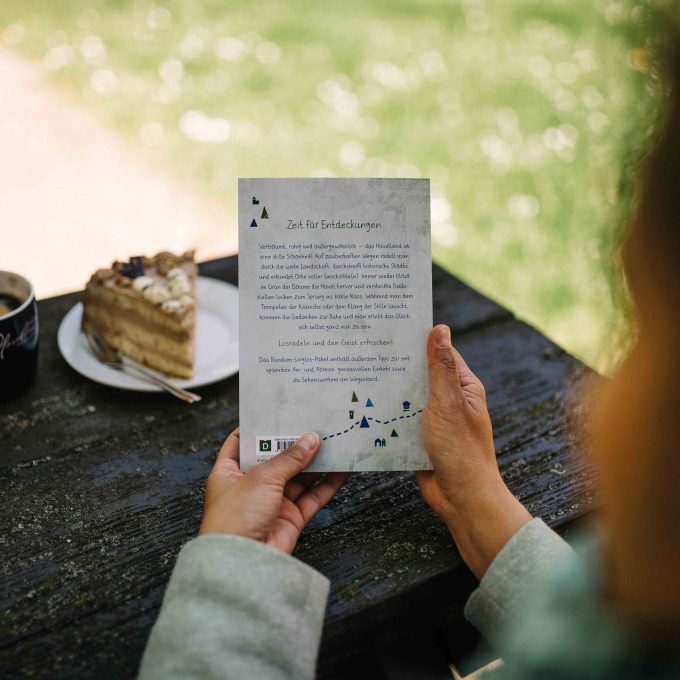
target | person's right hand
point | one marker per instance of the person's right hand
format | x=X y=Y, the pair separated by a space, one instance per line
x=273 y=501
x=465 y=488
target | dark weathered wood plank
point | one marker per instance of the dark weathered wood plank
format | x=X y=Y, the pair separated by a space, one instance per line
x=100 y=488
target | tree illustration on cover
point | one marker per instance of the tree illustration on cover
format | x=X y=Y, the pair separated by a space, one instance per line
x=378 y=442
x=265 y=214
x=363 y=422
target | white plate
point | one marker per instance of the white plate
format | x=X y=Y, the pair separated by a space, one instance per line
x=216 y=341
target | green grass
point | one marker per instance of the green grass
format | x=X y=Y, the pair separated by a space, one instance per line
x=521 y=114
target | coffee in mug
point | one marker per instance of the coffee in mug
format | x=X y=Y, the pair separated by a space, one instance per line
x=18 y=335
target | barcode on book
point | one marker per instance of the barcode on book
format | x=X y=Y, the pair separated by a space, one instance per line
x=270 y=446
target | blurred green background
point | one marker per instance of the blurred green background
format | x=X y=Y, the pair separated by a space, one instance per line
x=523 y=113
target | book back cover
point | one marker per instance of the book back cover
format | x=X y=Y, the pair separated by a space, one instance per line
x=335 y=290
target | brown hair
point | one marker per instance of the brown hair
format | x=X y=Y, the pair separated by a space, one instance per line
x=654 y=242
x=637 y=425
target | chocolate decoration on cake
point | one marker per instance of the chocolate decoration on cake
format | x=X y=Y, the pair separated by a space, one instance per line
x=133 y=268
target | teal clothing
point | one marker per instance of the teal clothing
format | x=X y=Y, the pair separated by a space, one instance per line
x=235 y=608
x=556 y=623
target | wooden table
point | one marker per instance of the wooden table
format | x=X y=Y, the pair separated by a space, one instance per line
x=100 y=488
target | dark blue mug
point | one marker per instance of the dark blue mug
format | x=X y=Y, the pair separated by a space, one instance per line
x=18 y=335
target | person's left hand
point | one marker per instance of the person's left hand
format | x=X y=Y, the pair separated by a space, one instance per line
x=271 y=502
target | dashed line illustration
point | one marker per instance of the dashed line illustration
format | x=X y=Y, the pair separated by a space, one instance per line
x=364 y=423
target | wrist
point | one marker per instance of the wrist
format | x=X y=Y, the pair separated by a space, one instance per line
x=483 y=520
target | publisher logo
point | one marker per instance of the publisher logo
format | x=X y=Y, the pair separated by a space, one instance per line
x=268 y=445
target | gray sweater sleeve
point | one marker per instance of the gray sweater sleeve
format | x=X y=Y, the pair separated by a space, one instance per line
x=235 y=608
x=519 y=569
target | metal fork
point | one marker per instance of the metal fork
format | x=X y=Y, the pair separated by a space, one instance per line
x=110 y=357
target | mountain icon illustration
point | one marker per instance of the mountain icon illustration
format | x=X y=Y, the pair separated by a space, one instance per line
x=253 y=223
x=265 y=214
x=255 y=201
x=364 y=422
x=354 y=396
x=369 y=403
x=394 y=434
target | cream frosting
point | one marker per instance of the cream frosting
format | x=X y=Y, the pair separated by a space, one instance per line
x=141 y=283
x=176 y=272
x=179 y=286
x=156 y=294
x=172 y=306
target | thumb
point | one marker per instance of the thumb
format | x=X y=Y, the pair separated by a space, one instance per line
x=445 y=385
x=293 y=460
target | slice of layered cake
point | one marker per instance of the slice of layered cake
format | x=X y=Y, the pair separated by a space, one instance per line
x=145 y=309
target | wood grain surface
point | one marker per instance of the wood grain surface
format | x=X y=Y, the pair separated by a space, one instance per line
x=100 y=488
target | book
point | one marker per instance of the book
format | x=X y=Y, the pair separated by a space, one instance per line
x=335 y=307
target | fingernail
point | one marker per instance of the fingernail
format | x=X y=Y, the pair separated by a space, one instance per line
x=309 y=440
x=443 y=337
